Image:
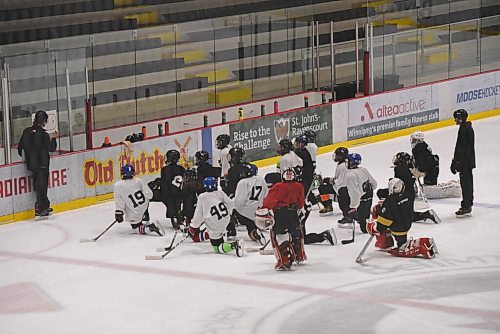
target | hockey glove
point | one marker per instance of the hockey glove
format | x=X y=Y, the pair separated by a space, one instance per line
x=455 y=166
x=264 y=219
x=119 y=216
x=371 y=228
x=155 y=184
x=193 y=231
x=328 y=180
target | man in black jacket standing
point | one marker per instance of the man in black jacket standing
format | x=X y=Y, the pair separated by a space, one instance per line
x=37 y=144
x=464 y=160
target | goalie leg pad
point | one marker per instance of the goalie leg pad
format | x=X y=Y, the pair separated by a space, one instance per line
x=281 y=247
x=298 y=246
x=424 y=247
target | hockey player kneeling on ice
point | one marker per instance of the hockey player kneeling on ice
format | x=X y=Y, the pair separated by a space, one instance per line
x=170 y=185
x=360 y=184
x=288 y=160
x=426 y=163
x=284 y=199
x=393 y=219
x=213 y=209
x=132 y=196
x=336 y=186
x=250 y=193
x=403 y=163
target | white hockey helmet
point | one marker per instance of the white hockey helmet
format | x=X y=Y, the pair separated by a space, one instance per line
x=417 y=137
x=396 y=186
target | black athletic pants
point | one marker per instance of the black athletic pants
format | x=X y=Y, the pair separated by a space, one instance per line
x=467 y=184
x=247 y=222
x=41 y=178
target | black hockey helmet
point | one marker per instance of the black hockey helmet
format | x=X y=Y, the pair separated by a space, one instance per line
x=236 y=155
x=311 y=136
x=172 y=157
x=461 y=115
x=246 y=171
x=402 y=158
x=340 y=154
x=200 y=157
x=191 y=174
x=221 y=141
x=41 y=117
x=285 y=146
x=302 y=140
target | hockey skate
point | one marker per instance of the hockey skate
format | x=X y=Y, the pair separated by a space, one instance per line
x=42 y=215
x=431 y=214
x=462 y=213
x=346 y=222
x=155 y=227
x=238 y=247
x=177 y=225
x=326 y=211
x=330 y=236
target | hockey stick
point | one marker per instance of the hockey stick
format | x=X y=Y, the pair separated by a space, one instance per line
x=350 y=241
x=258 y=249
x=359 y=259
x=162 y=256
x=163 y=249
x=96 y=238
x=422 y=194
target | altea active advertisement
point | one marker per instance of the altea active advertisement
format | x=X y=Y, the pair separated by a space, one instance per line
x=260 y=137
x=380 y=113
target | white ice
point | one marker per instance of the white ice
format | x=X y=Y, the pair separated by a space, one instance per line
x=52 y=283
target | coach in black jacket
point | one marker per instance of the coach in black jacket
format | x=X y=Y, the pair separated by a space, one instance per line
x=37 y=144
x=464 y=160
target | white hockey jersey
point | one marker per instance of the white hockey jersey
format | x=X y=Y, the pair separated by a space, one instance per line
x=222 y=160
x=312 y=148
x=289 y=161
x=249 y=195
x=214 y=208
x=340 y=173
x=132 y=197
x=354 y=180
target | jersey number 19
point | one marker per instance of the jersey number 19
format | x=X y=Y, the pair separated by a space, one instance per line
x=137 y=198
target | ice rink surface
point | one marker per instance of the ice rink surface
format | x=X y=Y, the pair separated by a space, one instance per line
x=52 y=283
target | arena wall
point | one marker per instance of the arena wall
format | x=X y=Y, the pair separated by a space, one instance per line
x=87 y=177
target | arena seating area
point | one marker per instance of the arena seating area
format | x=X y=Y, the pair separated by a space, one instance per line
x=213 y=57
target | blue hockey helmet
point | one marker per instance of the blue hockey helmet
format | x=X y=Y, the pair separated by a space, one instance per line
x=353 y=159
x=254 y=169
x=127 y=172
x=210 y=183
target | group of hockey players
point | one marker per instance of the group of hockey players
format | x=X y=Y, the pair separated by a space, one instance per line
x=209 y=202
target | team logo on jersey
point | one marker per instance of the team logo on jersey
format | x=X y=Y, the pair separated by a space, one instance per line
x=281 y=128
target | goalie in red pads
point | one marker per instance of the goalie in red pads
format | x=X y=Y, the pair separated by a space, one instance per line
x=393 y=219
x=285 y=198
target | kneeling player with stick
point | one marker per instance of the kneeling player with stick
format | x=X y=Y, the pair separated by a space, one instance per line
x=214 y=208
x=132 y=196
x=396 y=214
x=285 y=198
